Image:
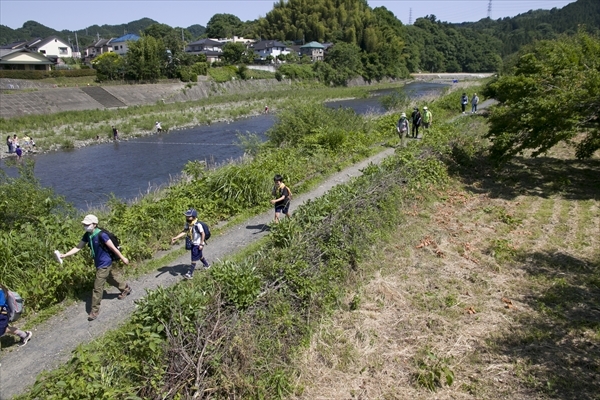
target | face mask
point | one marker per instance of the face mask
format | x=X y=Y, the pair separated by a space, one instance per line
x=89 y=228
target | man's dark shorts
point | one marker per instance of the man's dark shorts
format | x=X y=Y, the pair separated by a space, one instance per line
x=284 y=208
x=196 y=253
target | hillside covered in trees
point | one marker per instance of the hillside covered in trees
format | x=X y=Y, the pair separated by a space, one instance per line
x=382 y=44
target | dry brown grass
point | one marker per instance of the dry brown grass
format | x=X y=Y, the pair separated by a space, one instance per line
x=499 y=282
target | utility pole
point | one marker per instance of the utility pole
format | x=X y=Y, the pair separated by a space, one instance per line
x=410 y=17
x=77 y=44
x=490 y=9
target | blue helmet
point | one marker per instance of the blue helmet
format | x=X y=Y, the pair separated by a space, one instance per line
x=191 y=213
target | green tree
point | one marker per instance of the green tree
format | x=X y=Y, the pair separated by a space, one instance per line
x=551 y=95
x=144 y=60
x=224 y=26
x=345 y=60
x=233 y=52
x=109 y=66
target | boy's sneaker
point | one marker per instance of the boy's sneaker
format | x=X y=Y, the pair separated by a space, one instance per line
x=188 y=276
x=24 y=340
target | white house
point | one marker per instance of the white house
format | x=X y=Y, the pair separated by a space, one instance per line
x=266 y=48
x=119 y=45
x=50 y=46
x=212 y=49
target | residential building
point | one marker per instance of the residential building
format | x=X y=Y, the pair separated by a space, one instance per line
x=212 y=49
x=100 y=46
x=266 y=48
x=24 y=59
x=119 y=45
x=314 y=50
x=51 y=46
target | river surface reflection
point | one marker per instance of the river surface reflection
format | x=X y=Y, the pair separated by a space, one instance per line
x=86 y=177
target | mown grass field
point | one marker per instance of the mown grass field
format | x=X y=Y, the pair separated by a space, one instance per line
x=490 y=289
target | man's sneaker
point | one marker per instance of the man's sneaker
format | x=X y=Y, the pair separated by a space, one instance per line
x=207 y=266
x=187 y=276
x=92 y=316
x=24 y=340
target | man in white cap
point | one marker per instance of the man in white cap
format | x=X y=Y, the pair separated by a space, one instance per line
x=101 y=246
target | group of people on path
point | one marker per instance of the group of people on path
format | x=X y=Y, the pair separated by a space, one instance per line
x=464 y=100
x=417 y=119
x=106 y=253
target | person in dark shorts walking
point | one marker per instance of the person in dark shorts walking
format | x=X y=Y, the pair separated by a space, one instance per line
x=195 y=240
x=282 y=198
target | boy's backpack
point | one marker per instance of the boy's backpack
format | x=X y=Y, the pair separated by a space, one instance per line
x=290 y=192
x=205 y=229
x=15 y=306
x=113 y=238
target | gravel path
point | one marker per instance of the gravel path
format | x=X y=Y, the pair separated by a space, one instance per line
x=53 y=341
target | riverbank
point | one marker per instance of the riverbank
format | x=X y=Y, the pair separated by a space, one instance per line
x=76 y=129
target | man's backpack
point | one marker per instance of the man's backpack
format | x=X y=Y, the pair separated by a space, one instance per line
x=114 y=239
x=15 y=306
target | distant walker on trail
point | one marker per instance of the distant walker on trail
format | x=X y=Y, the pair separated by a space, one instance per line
x=427 y=118
x=464 y=100
x=416 y=122
x=402 y=126
x=474 y=102
x=103 y=249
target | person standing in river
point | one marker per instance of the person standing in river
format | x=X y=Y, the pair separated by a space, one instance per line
x=9 y=143
x=115 y=133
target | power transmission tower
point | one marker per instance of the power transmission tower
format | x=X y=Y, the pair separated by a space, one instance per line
x=490 y=9
x=410 y=17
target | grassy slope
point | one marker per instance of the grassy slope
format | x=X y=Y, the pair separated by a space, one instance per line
x=495 y=281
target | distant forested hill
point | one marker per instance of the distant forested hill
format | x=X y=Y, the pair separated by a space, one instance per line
x=535 y=25
x=86 y=36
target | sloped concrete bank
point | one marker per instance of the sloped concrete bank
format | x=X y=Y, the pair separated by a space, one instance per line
x=47 y=100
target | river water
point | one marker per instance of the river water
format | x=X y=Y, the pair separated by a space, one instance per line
x=86 y=177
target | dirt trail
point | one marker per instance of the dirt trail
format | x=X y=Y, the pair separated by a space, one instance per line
x=53 y=342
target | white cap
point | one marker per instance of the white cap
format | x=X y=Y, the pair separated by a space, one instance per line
x=90 y=219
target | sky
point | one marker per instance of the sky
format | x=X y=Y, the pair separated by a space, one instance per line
x=79 y=14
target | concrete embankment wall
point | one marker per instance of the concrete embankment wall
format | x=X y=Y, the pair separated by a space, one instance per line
x=47 y=100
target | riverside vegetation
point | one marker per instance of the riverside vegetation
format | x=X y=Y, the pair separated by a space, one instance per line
x=432 y=272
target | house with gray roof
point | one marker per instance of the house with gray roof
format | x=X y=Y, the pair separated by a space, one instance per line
x=212 y=49
x=266 y=48
x=24 y=59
